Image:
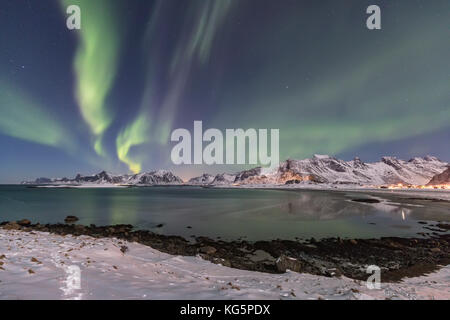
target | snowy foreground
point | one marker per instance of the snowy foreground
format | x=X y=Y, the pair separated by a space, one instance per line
x=45 y=266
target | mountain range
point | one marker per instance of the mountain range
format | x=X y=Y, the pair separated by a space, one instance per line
x=160 y=177
x=325 y=169
x=320 y=169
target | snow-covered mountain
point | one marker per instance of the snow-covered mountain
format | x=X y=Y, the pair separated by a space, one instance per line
x=203 y=179
x=160 y=177
x=326 y=169
x=154 y=177
x=320 y=169
x=441 y=178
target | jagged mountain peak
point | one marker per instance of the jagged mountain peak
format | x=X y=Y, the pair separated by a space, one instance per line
x=326 y=169
x=318 y=169
x=145 y=178
x=204 y=179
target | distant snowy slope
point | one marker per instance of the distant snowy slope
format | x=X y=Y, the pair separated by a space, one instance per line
x=326 y=169
x=319 y=169
x=159 y=177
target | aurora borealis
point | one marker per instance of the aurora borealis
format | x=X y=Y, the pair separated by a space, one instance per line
x=96 y=63
x=109 y=95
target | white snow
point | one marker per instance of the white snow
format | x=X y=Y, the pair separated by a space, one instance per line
x=83 y=186
x=326 y=170
x=321 y=168
x=145 y=273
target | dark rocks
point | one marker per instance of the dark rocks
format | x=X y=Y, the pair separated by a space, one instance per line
x=443 y=226
x=208 y=250
x=284 y=263
x=11 y=226
x=223 y=262
x=366 y=200
x=24 y=222
x=397 y=257
x=121 y=228
x=33 y=259
x=293 y=181
x=71 y=219
x=123 y=249
x=79 y=228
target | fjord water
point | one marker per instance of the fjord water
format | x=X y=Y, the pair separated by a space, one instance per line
x=226 y=213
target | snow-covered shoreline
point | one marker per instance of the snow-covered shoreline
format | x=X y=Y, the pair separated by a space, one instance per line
x=37 y=265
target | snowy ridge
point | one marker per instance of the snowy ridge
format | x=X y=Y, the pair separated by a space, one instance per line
x=203 y=179
x=320 y=169
x=160 y=177
x=325 y=169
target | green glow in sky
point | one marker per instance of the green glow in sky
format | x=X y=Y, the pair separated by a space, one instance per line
x=22 y=117
x=107 y=96
x=95 y=63
x=194 y=47
x=134 y=134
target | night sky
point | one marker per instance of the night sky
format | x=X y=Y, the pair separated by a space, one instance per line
x=109 y=95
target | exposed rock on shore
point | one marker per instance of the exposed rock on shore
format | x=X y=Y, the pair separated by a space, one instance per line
x=397 y=257
x=70 y=219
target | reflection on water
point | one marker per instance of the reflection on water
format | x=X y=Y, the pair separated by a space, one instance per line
x=123 y=209
x=226 y=213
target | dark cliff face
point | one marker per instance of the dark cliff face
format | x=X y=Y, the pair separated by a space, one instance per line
x=156 y=178
x=203 y=179
x=441 y=178
x=247 y=174
x=393 y=162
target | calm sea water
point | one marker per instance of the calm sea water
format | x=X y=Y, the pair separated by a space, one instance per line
x=225 y=213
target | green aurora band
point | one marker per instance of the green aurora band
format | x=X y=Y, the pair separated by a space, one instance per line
x=96 y=62
x=25 y=119
x=134 y=134
x=195 y=47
